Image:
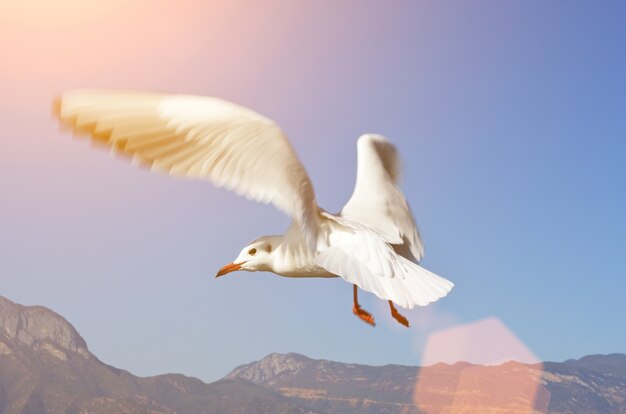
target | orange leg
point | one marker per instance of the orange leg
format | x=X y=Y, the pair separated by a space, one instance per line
x=363 y=314
x=396 y=315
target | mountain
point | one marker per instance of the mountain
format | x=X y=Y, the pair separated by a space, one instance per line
x=334 y=386
x=46 y=367
x=592 y=384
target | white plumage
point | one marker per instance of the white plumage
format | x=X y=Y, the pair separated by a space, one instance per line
x=373 y=242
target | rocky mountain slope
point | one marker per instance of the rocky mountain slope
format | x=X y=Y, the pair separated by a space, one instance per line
x=593 y=384
x=46 y=367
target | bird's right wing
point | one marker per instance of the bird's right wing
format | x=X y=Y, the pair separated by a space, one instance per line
x=199 y=137
x=363 y=257
x=378 y=202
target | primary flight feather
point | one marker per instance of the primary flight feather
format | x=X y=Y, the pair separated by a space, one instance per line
x=372 y=243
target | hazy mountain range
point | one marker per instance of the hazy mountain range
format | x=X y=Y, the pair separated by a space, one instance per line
x=46 y=367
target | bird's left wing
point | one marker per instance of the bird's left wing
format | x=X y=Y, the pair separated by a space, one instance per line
x=199 y=137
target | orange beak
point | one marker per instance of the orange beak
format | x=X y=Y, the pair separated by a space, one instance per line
x=231 y=267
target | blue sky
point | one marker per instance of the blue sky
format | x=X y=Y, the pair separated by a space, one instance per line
x=510 y=118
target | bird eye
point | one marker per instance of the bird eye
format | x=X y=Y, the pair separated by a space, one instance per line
x=252 y=251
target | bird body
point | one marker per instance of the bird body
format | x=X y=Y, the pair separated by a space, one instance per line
x=373 y=242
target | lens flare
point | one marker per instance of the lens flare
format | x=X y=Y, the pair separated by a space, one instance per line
x=481 y=367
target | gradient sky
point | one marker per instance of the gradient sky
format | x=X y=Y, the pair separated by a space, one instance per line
x=510 y=118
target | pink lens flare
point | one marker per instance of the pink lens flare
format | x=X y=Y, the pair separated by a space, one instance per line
x=479 y=367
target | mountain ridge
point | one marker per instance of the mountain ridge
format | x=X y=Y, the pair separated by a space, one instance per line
x=46 y=367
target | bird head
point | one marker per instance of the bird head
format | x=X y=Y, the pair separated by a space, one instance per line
x=257 y=256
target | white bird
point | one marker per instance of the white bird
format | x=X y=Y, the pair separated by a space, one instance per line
x=373 y=243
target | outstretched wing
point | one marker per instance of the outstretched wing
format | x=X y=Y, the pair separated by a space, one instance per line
x=378 y=202
x=363 y=257
x=199 y=137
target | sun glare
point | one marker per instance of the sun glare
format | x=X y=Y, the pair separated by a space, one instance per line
x=73 y=39
x=46 y=14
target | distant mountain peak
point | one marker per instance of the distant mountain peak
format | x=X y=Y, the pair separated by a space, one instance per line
x=610 y=363
x=271 y=368
x=599 y=359
x=40 y=328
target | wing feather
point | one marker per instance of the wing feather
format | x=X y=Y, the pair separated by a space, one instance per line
x=377 y=200
x=199 y=137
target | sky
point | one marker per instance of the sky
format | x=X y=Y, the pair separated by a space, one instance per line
x=510 y=118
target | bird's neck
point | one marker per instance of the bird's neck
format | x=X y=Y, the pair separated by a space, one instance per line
x=292 y=258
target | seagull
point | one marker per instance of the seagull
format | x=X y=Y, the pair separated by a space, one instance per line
x=373 y=243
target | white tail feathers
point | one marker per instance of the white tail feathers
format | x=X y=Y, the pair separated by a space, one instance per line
x=423 y=286
x=406 y=284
